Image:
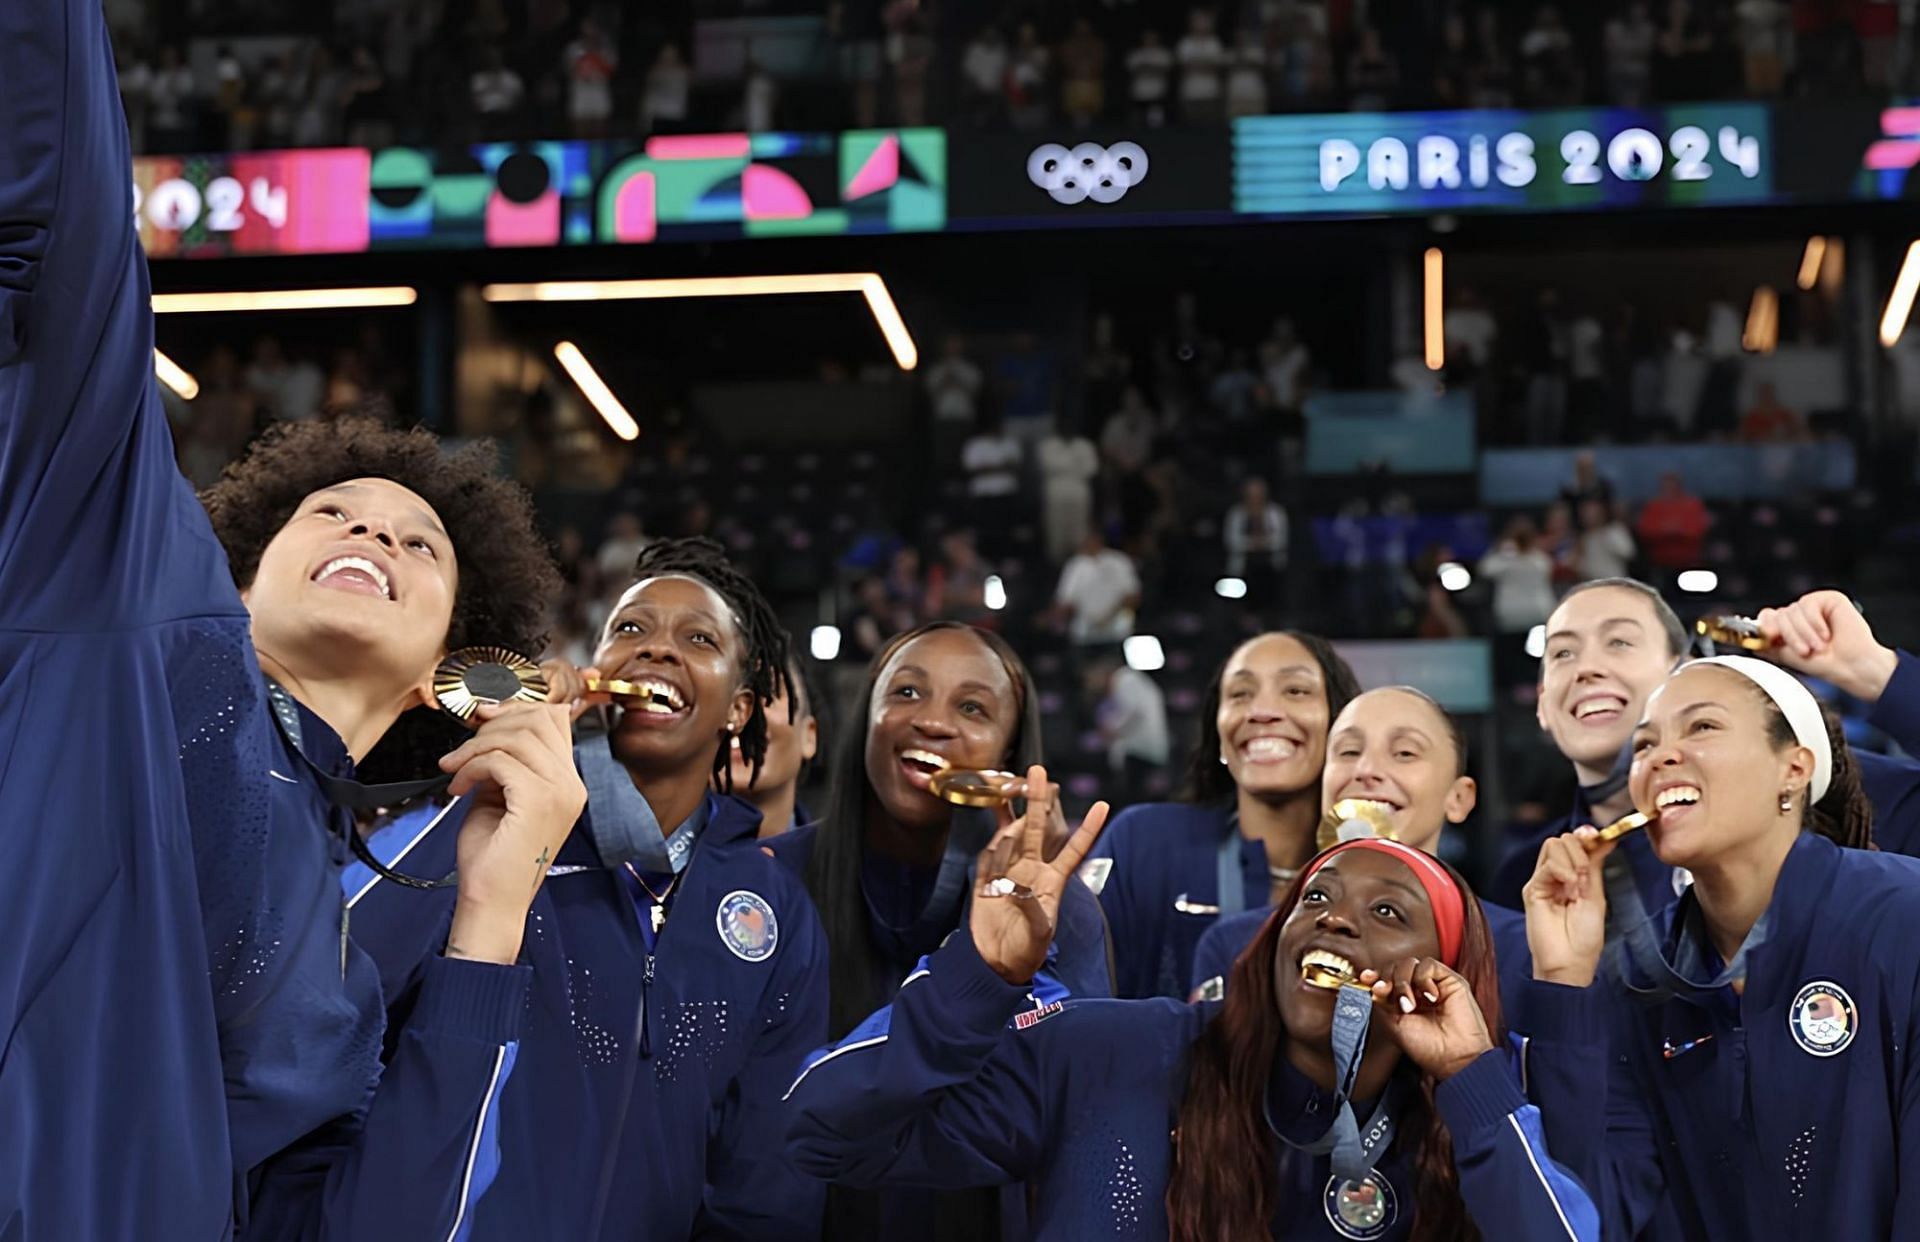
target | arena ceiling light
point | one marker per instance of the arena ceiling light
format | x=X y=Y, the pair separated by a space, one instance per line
x=175 y=376
x=1810 y=260
x=595 y=390
x=1144 y=653
x=1455 y=577
x=1230 y=588
x=869 y=285
x=994 y=593
x=1698 y=581
x=824 y=642
x=1434 y=309
x=1900 y=301
x=283 y=300
x=1763 y=322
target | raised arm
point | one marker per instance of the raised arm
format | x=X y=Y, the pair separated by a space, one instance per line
x=96 y=526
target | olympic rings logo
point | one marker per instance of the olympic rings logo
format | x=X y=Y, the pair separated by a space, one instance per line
x=1103 y=174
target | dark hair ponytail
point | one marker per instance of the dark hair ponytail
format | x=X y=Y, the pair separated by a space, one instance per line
x=1844 y=816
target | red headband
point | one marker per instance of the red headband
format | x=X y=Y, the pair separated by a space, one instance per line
x=1449 y=907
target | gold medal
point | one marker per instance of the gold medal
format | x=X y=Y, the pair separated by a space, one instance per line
x=1322 y=977
x=1741 y=632
x=473 y=677
x=1373 y=817
x=1621 y=827
x=979 y=787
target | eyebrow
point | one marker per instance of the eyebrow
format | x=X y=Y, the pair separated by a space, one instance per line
x=425 y=515
x=1688 y=710
x=1291 y=670
x=1608 y=624
x=1412 y=891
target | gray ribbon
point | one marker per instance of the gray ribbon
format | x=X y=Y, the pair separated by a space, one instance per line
x=623 y=826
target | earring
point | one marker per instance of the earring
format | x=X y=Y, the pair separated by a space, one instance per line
x=1223 y=758
x=1786 y=801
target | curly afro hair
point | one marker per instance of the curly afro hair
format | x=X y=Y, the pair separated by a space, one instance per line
x=507 y=584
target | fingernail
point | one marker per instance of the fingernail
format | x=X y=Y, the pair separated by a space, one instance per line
x=1431 y=998
x=1406 y=1004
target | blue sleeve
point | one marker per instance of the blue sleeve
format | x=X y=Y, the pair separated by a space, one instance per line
x=927 y=1092
x=1893 y=784
x=1220 y=946
x=1593 y=1111
x=428 y=1147
x=1111 y=872
x=97 y=527
x=1511 y=1184
x=754 y=1190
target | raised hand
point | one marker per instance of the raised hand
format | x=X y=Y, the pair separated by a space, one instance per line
x=518 y=769
x=1823 y=635
x=1017 y=889
x=1566 y=906
x=1430 y=1012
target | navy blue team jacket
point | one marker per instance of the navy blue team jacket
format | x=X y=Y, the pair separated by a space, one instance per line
x=1892 y=784
x=645 y=1103
x=968 y=1080
x=1157 y=870
x=184 y=1050
x=1789 y=1111
x=1227 y=938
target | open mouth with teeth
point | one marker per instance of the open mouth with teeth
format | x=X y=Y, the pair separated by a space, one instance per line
x=1674 y=801
x=921 y=766
x=354 y=574
x=1327 y=970
x=654 y=697
x=1269 y=749
x=1600 y=709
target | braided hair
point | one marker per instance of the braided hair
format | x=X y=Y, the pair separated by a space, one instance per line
x=1844 y=816
x=763 y=666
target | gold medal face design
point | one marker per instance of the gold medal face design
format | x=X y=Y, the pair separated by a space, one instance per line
x=1374 y=815
x=475 y=676
x=1622 y=826
x=980 y=787
x=1741 y=633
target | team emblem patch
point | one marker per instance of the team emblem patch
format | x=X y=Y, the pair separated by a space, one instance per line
x=1361 y=1210
x=747 y=926
x=1822 y=1018
x=1094 y=872
x=1033 y=1017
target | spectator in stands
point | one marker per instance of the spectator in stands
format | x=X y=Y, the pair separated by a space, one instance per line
x=1127 y=440
x=1548 y=67
x=760 y=95
x=1606 y=545
x=366 y=107
x=1522 y=576
x=1682 y=56
x=497 y=93
x=1877 y=25
x=1255 y=534
x=1083 y=72
x=1493 y=69
x=1203 y=61
x=1131 y=717
x=219 y=422
x=232 y=132
x=854 y=30
x=318 y=87
x=287 y=390
x=1149 y=77
x=1561 y=543
x=906 y=587
x=1453 y=63
x=1098 y=592
x=1373 y=75
x=171 y=107
x=663 y=106
x=992 y=459
x=953 y=392
x=1763 y=40
x=874 y=618
x=1673 y=525
x=1768 y=421
x=1247 y=76
x=1470 y=331
x=589 y=62
x=1068 y=466
x=1544 y=347
x=1587 y=484
x=1285 y=360
x=983 y=74
x=1629 y=54
x=1028 y=80
x=622 y=547
x=1439 y=618
x=957 y=583
x=910 y=56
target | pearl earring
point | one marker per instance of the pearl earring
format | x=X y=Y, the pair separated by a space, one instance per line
x=1786 y=801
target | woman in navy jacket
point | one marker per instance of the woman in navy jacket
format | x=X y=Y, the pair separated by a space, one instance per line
x=1760 y=1036
x=889 y=865
x=192 y=1046
x=1154 y=1119
x=1397 y=747
x=1251 y=806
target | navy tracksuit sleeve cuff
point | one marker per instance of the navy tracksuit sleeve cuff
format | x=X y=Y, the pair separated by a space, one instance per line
x=1557 y=1013
x=1481 y=1095
x=1897 y=714
x=970 y=991
x=482 y=1001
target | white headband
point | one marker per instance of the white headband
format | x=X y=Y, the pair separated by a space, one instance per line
x=1795 y=702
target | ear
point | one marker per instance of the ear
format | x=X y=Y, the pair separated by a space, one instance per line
x=421 y=694
x=809 y=740
x=1461 y=799
x=1797 y=774
x=740 y=711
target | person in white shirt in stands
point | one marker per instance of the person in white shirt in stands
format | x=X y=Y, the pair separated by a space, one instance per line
x=1068 y=466
x=992 y=459
x=1606 y=546
x=1203 y=60
x=497 y=91
x=1255 y=534
x=953 y=392
x=663 y=106
x=1149 y=72
x=1522 y=577
x=1132 y=721
x=1127 y=440
x=1098 y=592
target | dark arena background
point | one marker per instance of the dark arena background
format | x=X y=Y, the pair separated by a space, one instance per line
x=901 y=301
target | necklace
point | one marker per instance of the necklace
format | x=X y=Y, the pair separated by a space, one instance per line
x=659 y=911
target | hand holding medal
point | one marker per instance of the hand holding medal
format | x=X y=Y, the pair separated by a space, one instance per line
x=1566 y=904
x=1430 y=1012
x=1016 y=899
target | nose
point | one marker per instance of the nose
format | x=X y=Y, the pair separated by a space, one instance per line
x=1366 y=769
x=1335 y=919
x=931 y=722
x=377 y=529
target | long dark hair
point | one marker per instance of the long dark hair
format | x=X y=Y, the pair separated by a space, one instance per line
x=1844 y=816
x=1224 y=1151
x=856 y=973
x=1208 y=781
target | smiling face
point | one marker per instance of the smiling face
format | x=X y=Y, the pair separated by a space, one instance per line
x=1273 y=716
x=1705 y=762
x=1606 y=651
x=677 y=636
x=1363 y=910
x=1396 y=748
x=941 y=700
x=790 y=744
x=361 y=578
